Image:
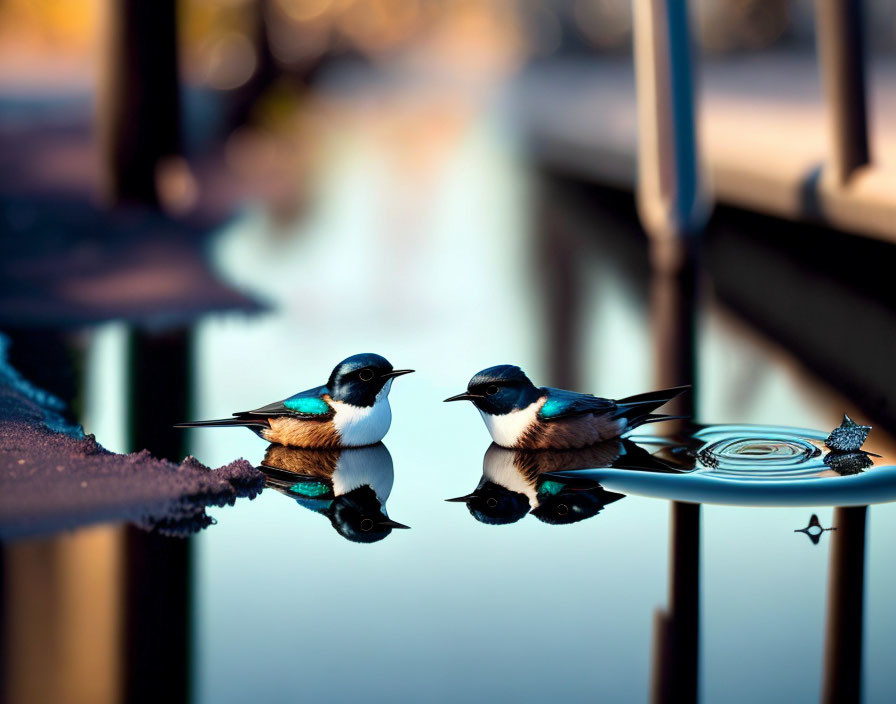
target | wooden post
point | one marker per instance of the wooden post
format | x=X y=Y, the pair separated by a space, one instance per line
x=139 y=109
x=846 y=608
x=676 y=643
x=671 y=191
x=157 y=583
x=841 y=39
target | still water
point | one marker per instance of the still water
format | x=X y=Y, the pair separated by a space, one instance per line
x=441 y=276
x=457 y=606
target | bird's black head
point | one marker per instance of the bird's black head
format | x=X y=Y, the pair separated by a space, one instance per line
x=494 y=504
x=499 y=390
x=561 y=504
x=358 y=516
x=360 y=378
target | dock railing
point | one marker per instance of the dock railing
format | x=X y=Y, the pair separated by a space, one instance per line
x=673 y=191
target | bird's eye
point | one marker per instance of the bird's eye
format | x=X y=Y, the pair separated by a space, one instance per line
x=491 y=390
x=365 y=374
x=491 y=502
x=562 y=509
x=366 y=525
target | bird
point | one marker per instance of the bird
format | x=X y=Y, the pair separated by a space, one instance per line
x=517 y=482
x=350 y=410
x=349 y=486
x=520 y=415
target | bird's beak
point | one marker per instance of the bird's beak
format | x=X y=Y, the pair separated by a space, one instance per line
x=465 y=396
x=462 y=499
x=394 y=373
x=389 y=523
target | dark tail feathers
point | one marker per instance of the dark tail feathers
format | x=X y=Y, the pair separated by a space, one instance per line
x=226 y=423
x=639 y=409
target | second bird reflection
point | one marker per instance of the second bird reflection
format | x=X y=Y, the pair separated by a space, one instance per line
x=349 y=486
x=513 y=484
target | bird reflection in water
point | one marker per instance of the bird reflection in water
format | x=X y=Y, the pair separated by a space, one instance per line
x=514 y=483
x=349 y=486
x=814 y=529
x=846 y=463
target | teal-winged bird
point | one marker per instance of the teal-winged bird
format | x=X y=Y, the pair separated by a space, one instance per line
x=520 y=415
x=349 y=486
x=517 y=482
x=350 y=410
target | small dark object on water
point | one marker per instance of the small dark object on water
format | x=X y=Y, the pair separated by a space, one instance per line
x=813 y=530
x=848 y=462
x=848 y=437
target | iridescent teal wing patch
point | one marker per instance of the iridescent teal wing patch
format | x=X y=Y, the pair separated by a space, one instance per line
x=307 y=405
x=310 y=489
x=551 y=409
x=314 y=495
x=561 y=404
x=550 y=488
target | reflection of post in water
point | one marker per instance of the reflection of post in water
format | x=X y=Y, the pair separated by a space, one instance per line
x=843 y=638
x=672 y=198
x=157 y=568
x=159 y=375
x=139 y=125
x=60 y=625
x=91 y=622
x=126 y=592
x=673 y=315
x=672 y=208
x=676 y=631
x=558 y=254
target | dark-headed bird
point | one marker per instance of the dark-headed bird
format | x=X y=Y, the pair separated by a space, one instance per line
x=515 y=483
x=350 y=410
x=349 y=486
x=520 y=415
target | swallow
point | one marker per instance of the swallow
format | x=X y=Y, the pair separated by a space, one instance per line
x=350 y=410
x=520 y=415
x=349 y=486
x=516 y=483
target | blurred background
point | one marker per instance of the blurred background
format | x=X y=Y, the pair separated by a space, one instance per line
x=205 y=204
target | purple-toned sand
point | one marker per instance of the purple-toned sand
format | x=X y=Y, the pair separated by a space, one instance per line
x=53 y=477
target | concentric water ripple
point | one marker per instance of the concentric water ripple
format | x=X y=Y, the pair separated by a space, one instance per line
x=749 y=465
x=761 y=452
x=762 y=457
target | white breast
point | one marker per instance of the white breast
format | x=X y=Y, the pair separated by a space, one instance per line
x=369 y=466
x=506 y=430
x=498 y=467
x=363 y=425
